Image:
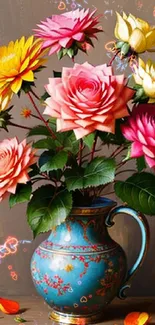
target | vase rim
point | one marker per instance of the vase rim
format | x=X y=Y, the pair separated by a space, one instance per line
x=99 y=206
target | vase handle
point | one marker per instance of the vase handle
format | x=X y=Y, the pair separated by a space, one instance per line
x=144 y=227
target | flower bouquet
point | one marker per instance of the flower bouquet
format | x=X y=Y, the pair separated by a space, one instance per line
x=84 y=110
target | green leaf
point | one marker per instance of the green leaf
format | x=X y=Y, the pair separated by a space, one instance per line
x=23 y=194
x=116 y=138
x=44 y=157
x=140 y=162
x=56 y=174
x=70 y=53
x=5 y=118
x=99 y=172
x=52 y=124
x=139 y=93
x=20 y=320
x=66 y=141
x=119 y=44
x=89 y=140
x=40 y=68
x=39 y=130
x=57 y=74
x=131 y=82
x=65 y=51
x=136 y=86
x=55 y=161
x=48 y=209
x=34 y=170
x=47 y=143
x=69 y=142
x=44 y=96
x=128 y=154
x=74 y=178
x=60 y=54
x=138 y=191
x=125 y=49
x=140 y=96
x=26 y=86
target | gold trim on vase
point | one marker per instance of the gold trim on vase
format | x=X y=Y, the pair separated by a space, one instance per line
x=63 y=252
x=72 y=319
x=77 y=211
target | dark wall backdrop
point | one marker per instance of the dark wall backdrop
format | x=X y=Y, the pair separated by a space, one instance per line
x=17 y=18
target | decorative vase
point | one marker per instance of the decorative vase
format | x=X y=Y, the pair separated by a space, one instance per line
x=79 y=269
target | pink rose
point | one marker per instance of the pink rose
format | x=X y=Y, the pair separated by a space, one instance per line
x=62 y=31
x=140 y=129
x=87 y=98
x=15 y=159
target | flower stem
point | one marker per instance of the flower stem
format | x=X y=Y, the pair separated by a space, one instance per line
x=41 y=117
x=125 y=171
x=118 y=151
x=34 y=94
x=93 y=148
x=80 y=152
x=122 y=164
x=19 y=126
x=115 y=152
x=110 y=193
x=113 y=58
x=35 y=116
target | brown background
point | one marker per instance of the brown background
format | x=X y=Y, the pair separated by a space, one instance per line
x=17 y=18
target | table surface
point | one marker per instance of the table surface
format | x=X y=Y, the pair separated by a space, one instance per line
x=35 y=311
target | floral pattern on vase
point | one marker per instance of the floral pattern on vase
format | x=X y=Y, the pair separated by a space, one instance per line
x=79 y=269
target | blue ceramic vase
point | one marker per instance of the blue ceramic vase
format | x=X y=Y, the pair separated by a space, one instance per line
x=79 y=269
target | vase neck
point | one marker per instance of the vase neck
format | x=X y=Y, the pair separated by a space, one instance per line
x=85 y=227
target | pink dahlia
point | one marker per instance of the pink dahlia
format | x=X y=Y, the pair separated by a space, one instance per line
x=15 y=159
x=68 y=30
x=87 y=98
x=140 y=129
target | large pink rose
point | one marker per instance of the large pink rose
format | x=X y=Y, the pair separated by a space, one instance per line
x=87 y=98
x=61 y=31
x=15 y=159
x=140 y=129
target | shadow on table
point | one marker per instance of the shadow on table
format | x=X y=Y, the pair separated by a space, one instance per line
x=23 y=310
x=120 y=312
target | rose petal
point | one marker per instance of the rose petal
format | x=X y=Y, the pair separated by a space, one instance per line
x=136 y=150
x=17 y=159
x=9 y=306
x=136 y=318
x=89 y=97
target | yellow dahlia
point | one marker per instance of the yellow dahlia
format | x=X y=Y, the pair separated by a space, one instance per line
x=145 y=77
x=136 y=32
x=18 y=62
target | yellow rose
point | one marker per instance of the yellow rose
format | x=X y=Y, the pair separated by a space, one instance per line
x=136 y=32
x=144 y=75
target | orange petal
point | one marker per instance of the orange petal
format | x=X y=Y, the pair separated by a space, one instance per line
x=132 y=319
x=9 y=306
x=136 y=318
x=143 y=319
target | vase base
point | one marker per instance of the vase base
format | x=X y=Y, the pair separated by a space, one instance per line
x=72 y=319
